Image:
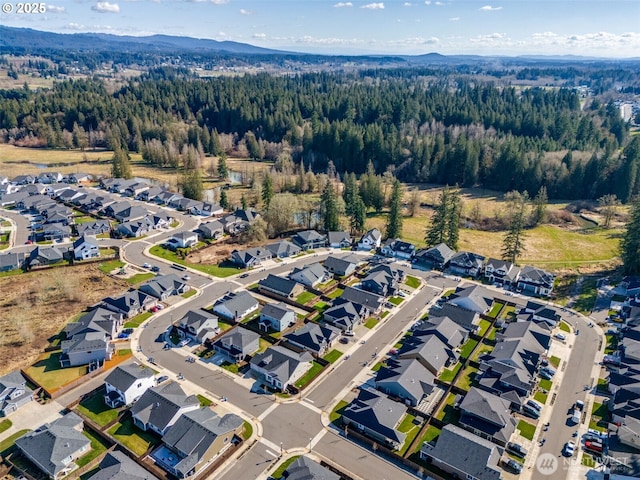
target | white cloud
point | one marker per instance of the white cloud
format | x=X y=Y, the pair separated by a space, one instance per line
x=414 y=41
x=343 y=4
x=454 y=19
x=106 y=7
x=439 y=4
x=55 y=9
x=408 y=4
x=489 y=8
x=427 y=2
x=215 y=2
x=74 y=26
x=260 y=36
x=374 y=6
x=244 y=11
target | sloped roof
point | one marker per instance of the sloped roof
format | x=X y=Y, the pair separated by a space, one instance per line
x=280 y=362
x=536 y=275
x=118 y=466
x=123 y=376
x=306 y=469
x=158 y=405
x=282 y=247
x=476 y=297
x=378 y=413
x=313 y=336
x=280 y=285
x=275 y=310
x=411 y=375
x=196 y=318
x=312 y=273
x=96 y=320
x=486 y=406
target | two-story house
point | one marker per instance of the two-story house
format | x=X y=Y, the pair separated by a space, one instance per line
x=14 y=393
x=125 y=384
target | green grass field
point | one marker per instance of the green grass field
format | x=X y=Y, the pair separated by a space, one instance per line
x=468 y=347
x=5 y=425
x=305 y=297
x=412 y=282
x=110 y=266
x=8 y=442
x=98 y=447
x=332 y=356
x=132 y=437
x=313 y=372
x=136 y=321
x=545 y=384
x=527 y=430
x=48 y=373
x=139 y=278
x=448 y=374
x=222 y=270
x=98 y=411
x=372 y=322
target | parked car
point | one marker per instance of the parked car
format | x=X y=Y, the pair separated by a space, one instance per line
x=593 y=446
x=154 y=309
x=244 y=275
x=146 y=265
x=344 y=340
x=186 y=277
x=155 y=268
x=513 y=465
x=534 y=404
x=545 y=375
x=184 y=342
x=348 y=333
x=569 y=449
x=516 y=449
x=530 y=412
x=560 y=336
x=123 y=335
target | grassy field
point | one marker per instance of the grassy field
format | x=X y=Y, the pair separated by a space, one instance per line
x=412 y=282
x=136 y=321
x=139 y=278
x=447 y=375
x=98 y=411
x=468 y=347
x=189 y=293
x=527 y=430
x=305 y=297
x=221 y=270
x=204 y=401
x=545 y=384
x=540 y=397
x=110 y=266
x=408 y=427
x=48 y=373
x=466 y=378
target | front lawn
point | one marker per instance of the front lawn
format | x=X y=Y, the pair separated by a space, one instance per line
x=204 y=401
x=230 y=367
x=313 y=372
x=110 y=266
x=305 y=297
x=468 y=347
x=135 y=322
x=336 y=413
x=555 y=361
x=98 y=411
x=320 y=306
x=396 y=300
x=222 y=270
x=447 y=375
x=139 y=278
x=412 y=282
x=545 y=384
x=97 y=448
x=5 y=425
x=132 y=437
x=247 y=431
x=278 y=473
x=332 y=356
x=48 y=373
x=378 y=366
x=372 y=322
x=564 y=327
x=8 y=442
x=527 y=430
x=612 y=344
x=600 y=410
x=603 y=385
x=540 y=397
x=189 y=293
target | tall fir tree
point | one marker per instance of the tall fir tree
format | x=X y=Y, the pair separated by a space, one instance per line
x=224 y=202
x=329 y=209
x=394 y=219
x=223 y=170
x=358 y=215
x=445 y=223
x=513 y=243
x=540 y=206
x=630 y=243
x=192 y=186
x=120 y=165
x=267 y=190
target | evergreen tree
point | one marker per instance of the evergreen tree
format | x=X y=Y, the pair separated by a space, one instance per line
x=329 y=209
x=445 y=223
x=120 y=165
x=224 y=202
x=540 y=206
x=350 y=192
x=394 y=219
x=358 y=215
x=243 y=201
x=453 y=219
x=215 y=147
x=267 y=190
x=192 y=186
x=513 y=243
x=630 y=243
x=223 y=170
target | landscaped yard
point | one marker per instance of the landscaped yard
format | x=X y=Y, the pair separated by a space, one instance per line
x=98 y=411
x=483 y=326
x=5 y=425
x=447 y=375
x=132 y=437
x=603 y=385
x=555 y=361
x=320 y=306
x=412 y=282
x=263 y=344
x=448 y=414
x=481 y=350
x=204 y=401
x=283 y=466
x=231 y=367
x=396 y=300
x=372 y=322
x=332 y=356
x=110 y=266
x=97 y=448
x=305 y=297
x=336 y=293
x=189 y=293
x=540 y=397
x=468 y=347
x=140 y=277
x=135 y=322
x=564 y=327
x=507 y=312
x=495 y=309
x=222 y=270
x=313 y=372
x=527 y=430
x=48 y=373
x=466 y=378
x=379 y=365
x=612 y=344
x=587 y=297
x=431 y=434
x=408 y=426
x=8 y=442
x=545 y=384
x=336 y=413
x=247 y=431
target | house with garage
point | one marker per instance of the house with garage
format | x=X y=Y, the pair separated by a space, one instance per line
x=198 y=326
x=501 y=272
x=448 y=331
x=370 y=301
x=430 y=351
x=135 y=189
x=236 y=305
x=377 y=417
x=129 y=304
x=55 y=232
x=14 y=392
x=251 y=257
x=207 y=209
x=462 y=454
x=539 y=312
x=314 y=338
x=86 y=247
x=383 y=280
x=467 y=319
x=281 y=367
x=117 y=466
x=466 y=264
x=475 y=298
x=183 y=240
x=239 y=221
x=398 y=249
x=276 y=316
x=280 y=287
x=310 y=275
x=11 y=261
x=629 y=286
x=96 y=320
x=535 y=281
x=309 y=240
x=55 y=447
x=345 y=314
x=126 y=383
x=237 y=343
x=339 y=239
x=283 y=249
x=160 y=407
x=211 y=230
x=487 y=415
x=305 y=468
x=405 y=379
x=370 y=240
x=187 y=204
x=125 y=212
x=23 y=179
x=90 y=348
x=195 y=440
x=99 y=227
x=41 y=256
x=341 y=267
x=165 y=286
x=135 y=229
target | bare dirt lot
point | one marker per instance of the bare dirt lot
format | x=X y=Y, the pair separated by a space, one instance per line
x=35 y=306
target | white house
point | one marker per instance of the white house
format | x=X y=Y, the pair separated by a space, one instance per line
x=126 y=384
x=183 y=239
x=276 y=316
x=236 y=306
x=370 y=240
x=86 y=247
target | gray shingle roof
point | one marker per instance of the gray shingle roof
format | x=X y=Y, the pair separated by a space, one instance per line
x=123 y=376
x=96 y=320
x=378 y=413
x=282 y=248
x=280 y=361
x=158 y=405
x=239 y=302
x=306 y=469
x=240 y=339
x=313 y=336
x=280 y=285
x=367 y=299
x=117 y=466
x=410 y=375
x=276 y=310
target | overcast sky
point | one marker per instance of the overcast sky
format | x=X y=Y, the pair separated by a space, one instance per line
x=603 y=28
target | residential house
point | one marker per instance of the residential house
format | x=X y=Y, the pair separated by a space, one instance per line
x=198 y=326
x=370 y=301
x=134 y=229
x=79 y=178
x=91 y=348
x=158 y=221
x=96 y=320
x=309 y=240
x=345 y=315
x=136 y=189
x=12 y=198
x=468 y=319
x=23 y=179
x=126 y=383
x=313 y=337
x=211 y=230
x=238 y=221
x=305 y=468
x=340 y=266
x=370 y=240
x=86 y=247
x=237 y=343
x=206 y=209
x=251 y=257
x=281 y=287
x=281 y=367
x=125 y=212
x=502 y=272
x=276 y=316
x=183 y=240
x=197 y=438
x=56 y=231
x=236 y=306
x=629 y=286
x=467 y=264
x=55 y=446
x=41 y=256
x=282 y=249
x=71 y=195
x=165 y=197
x=339 y=239
x=383 y=280
x=164 y=286
x=377 y=417
x=398 y=249
x=129 y=304
x=464 y=455
x=487 y=415
x=160 y=407
x=475 y=298
x=405 y=379
x=437 y=257
x=629 y=432
x=117 y=466
x=54 y=189
x=535 y=281
x=186 y=204
x=11 y=261
x=49 y=177
x=14 y=392
x=310 y=275
x=36 y=191
x=541 y=313
x=146 y=195
x=432 y=353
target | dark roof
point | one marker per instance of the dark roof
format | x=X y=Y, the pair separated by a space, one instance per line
x=117 y=466
x=283 y=247
x=339 y=264
x=487 y=406
x=378 y=413
x=439 y=253
x=474 y=297
x=313 y=336
x=410 y=375
x=11 y=260
x=463 y=317
x=158 y=405
x=311 y=273
x=306 y=469
x=279 y=285
x=123 y=376
x=161 y=284
x=276 y=310
x=338 y=237
x=280 y=362
x=467 y=259
x=196 y=318
x=367 y=299
x=308 y=236
x=131 y=300
x=239 y=339
x=537 y=276
x=96 y=320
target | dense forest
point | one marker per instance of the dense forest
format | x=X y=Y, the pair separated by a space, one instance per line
x=422 y=127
